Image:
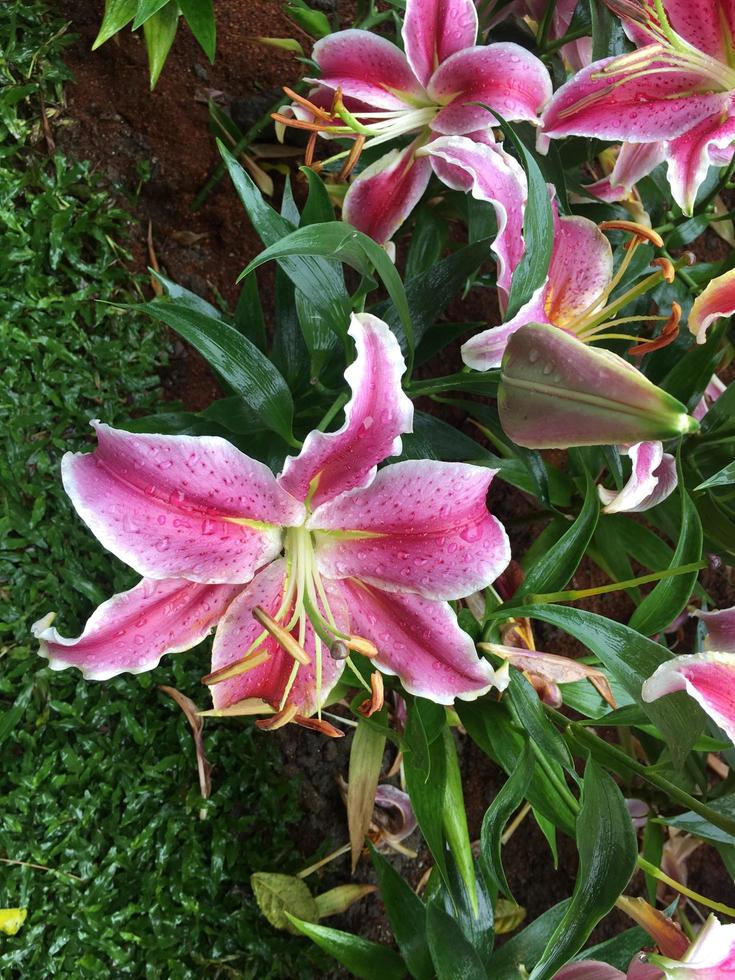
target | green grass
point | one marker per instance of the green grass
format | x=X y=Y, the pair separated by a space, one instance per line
x=98 y=782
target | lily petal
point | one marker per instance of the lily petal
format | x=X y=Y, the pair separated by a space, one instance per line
x=433 y=533
x=580 y=269
x=421 y=642
x=172 y=506
x=708 y=25
x=632 y=105
x=435 y=29
x=720 y=625
x=375 y=417
x=503 y=76
x=712 y=392
x=707 y=677
x=130 y=632
x=691 y=155
x=556 y=392
x=635 y=161
x=367 y=67
x=652 y=480
x=485 y=350
x=716 y=299
x=589 y=970
x=710 y=957
x=239 y=629
x=491 y=175
x=380 y=199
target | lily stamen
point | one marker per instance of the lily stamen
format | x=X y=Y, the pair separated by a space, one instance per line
x=377 y=697
x=279 y=719
x=282 y=637
x=669 y=333
x=639 y=231
x=248 y=662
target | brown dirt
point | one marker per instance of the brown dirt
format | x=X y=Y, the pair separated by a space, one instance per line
x=114 y=121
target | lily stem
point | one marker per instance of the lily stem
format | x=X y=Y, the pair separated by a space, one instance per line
x=659 y=875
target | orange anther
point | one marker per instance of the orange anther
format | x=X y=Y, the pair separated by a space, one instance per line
x=638 y=231
x=319 y=725
x=279 y=719
x=667 y=335
x=667 y=267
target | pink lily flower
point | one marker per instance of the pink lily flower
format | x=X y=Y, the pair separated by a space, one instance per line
x=716 y=300
x=653 y=478
x=720 y=625
x=674 y=95
x=577 y=289
x=293 y=571
x=710 y=957
x=709 y=678
x=431 y=90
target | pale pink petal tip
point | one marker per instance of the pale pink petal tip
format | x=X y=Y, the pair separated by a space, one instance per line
x=709 y=678
x=130 y=632
x=720 y=626
x=710 y=957
x=652 y=480
x=376 y=416
x=716 y=300
x=179 y=506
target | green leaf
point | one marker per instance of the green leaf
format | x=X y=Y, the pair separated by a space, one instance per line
x=406 y=915
x=670 y=596
x=117 y=14
x=338 y=240
x=534 y=721
x=246 y=369
x=199 y=15
x=314 y=22
x=631 y=658
x=608 y=851
x=538 y=230
x=364 y=959
x=453 y=956
x=424 y=763
x=722 y=478
x=554 y=569
x=455 y=817
x=526 y=948
x=12 y=716
x=693 y=823
x=608 y=35
x=146 y=9
x=160 y=31
x=366 y=759
x=278 y=894
x=249 y=319
x=498 y=814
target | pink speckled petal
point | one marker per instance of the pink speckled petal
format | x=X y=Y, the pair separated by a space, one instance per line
x=712 y=392
x=691 y=155
x=375 y=417
x=720 y=625
x=652 y=480
x=167 y=505
x=706 y=24
x=580 y=270
x=503 y=76
x=238 y=630
x=625 y=105
x=435 y=29
x=707 y=677
x=436 y=536
x=130 y=632
x=635 y=161
x=380 y=199
x=492 y=175
x=589 y=970
x=485 y=350
x=420 y=641
x=367 y=67
x=716 y=299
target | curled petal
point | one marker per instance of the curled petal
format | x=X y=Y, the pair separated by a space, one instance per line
x=130 y=632
x=720 y=626
x=435 y=29
x=366 y=67
x=707 y=677
x=375 y=417
x=652 y=479
x=492 y=175
x=613 y=101
x=503 y=76
x=716 y=299
x=712 y=392
x=422 y=526
x=485 y=350
x=691 y=155
x=421 y=642
x=710 y=957
x=558 y=669
x=179 y=506
x=268 y=681
x=635 y=161
x=380 y=199
x=557 y=392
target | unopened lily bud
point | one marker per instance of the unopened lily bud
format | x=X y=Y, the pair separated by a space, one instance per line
x=556 y=392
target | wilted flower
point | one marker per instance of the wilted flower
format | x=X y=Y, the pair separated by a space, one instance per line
x=328 y=553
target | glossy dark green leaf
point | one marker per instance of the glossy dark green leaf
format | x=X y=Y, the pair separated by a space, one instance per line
x=364 y=959
x=608 y=850
x=693 y=823
x=554 y=569
x=497 y=815
x=722 y=478
x=534 y=721
x=424 y=765
x=538 y=231
x=249 y=313
x=117 y=14
x=453 y=956
x=146 y=9
x=199 y=15
x=241 y=364
x=407 y=917
x=670 y=596
x=608 y=36
x=185 y=297
x=526 y=948
x=455 y=817
x=631 y=658
x=160 y=31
